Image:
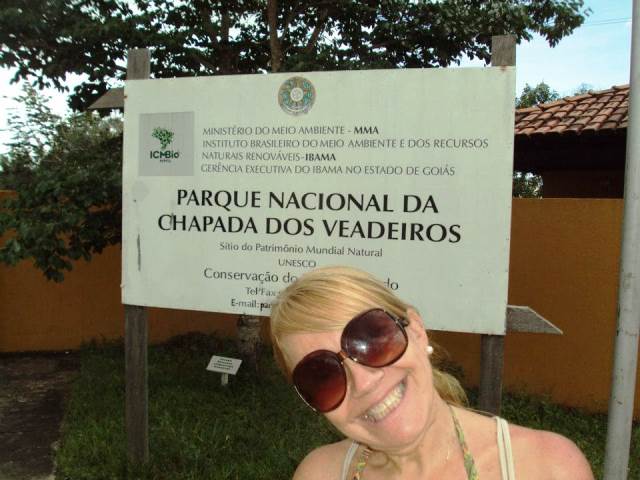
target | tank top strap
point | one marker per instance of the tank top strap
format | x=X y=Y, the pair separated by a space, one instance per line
x=469 y=464
x=348 y=458
x=360 y=463
x=504 y=449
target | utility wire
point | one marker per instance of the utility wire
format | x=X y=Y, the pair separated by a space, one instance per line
x=606 y=22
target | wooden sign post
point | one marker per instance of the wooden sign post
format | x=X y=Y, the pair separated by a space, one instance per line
x=517 y=319
x=136 y=336
x=503 y=53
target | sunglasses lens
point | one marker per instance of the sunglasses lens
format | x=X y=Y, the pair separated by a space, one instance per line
x=321 y=381
x=373 y=338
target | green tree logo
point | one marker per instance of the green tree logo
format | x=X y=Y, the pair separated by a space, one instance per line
x=165 y=136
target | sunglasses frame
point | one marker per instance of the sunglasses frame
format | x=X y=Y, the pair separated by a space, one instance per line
x=341 y=355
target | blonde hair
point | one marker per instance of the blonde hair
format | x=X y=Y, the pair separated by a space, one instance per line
x=326 y=299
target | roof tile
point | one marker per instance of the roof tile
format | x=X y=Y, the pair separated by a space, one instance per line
x=592 y=111
x=544 y=106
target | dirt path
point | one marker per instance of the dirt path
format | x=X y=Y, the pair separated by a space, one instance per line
x=33 y=388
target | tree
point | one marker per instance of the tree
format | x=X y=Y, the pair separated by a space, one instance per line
x=48 y=39
x=66 y=173
x=531 y=96
x=582 y=89
x=526 y=185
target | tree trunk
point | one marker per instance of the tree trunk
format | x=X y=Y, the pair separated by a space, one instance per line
x=248 y=336
x=274 y=41
x=248 y=339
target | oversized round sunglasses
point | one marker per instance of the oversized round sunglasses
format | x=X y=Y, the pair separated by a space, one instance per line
x=374 y=338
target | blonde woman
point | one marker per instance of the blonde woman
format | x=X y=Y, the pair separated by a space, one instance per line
x=361 y=357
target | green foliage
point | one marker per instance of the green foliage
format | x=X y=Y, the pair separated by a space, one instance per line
x=583 y=88
x=542 y=93
x=531 y=96
x=92 y=37
x=66 y=173
x=254 y=428
x=526 y=185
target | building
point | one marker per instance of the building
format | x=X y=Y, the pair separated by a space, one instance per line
x=577 y=144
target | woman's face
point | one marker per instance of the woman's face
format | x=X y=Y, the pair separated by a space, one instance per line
x=386 y=408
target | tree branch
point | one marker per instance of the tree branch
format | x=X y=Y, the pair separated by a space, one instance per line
x=205 y=13
x=295 y=10
x=225 y=25
x=203 y=60
x=226 y=53
x=274 y=41
x=313 y=40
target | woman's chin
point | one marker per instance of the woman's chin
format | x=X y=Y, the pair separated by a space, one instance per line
x=396 y=428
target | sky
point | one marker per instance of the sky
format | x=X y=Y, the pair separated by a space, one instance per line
x=596 y=54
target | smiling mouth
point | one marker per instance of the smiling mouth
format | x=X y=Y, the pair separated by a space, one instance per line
x=388 y=404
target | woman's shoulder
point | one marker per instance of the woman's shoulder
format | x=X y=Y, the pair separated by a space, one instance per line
x=536 y=453
x=323 y=462
x=545 y=454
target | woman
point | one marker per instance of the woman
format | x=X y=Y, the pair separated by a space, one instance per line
x=360 y=356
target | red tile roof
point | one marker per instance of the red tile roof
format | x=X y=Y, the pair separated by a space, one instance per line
x=590 y=112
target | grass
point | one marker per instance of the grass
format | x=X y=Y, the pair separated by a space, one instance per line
x=254 y=428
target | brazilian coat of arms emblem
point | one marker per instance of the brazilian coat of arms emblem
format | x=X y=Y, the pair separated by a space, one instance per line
x=296 y=95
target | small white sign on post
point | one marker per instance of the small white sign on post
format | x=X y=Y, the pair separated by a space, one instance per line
x=225 y=366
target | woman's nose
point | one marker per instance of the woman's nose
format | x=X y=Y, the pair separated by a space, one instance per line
x=363 y=379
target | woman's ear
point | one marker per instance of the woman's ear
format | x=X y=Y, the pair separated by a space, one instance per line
x=416 y=325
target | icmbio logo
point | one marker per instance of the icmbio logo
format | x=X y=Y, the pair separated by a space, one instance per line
x=166 y=144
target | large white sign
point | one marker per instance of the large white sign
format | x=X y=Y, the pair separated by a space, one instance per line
x=235 y=186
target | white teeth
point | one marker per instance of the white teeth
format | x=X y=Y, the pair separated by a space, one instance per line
x=387 y=405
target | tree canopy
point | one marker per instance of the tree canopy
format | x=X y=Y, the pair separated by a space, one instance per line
x=48 y=39
x=541 y=93
x=67 y=171
x=67 y=176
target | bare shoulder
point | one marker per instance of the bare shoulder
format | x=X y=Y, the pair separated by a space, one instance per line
x=323 y=463
x=542 y=454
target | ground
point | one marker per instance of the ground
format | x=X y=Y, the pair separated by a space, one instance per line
x=33 y=389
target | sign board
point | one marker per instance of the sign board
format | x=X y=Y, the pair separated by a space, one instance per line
x=224 y=365
x=235 y=186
